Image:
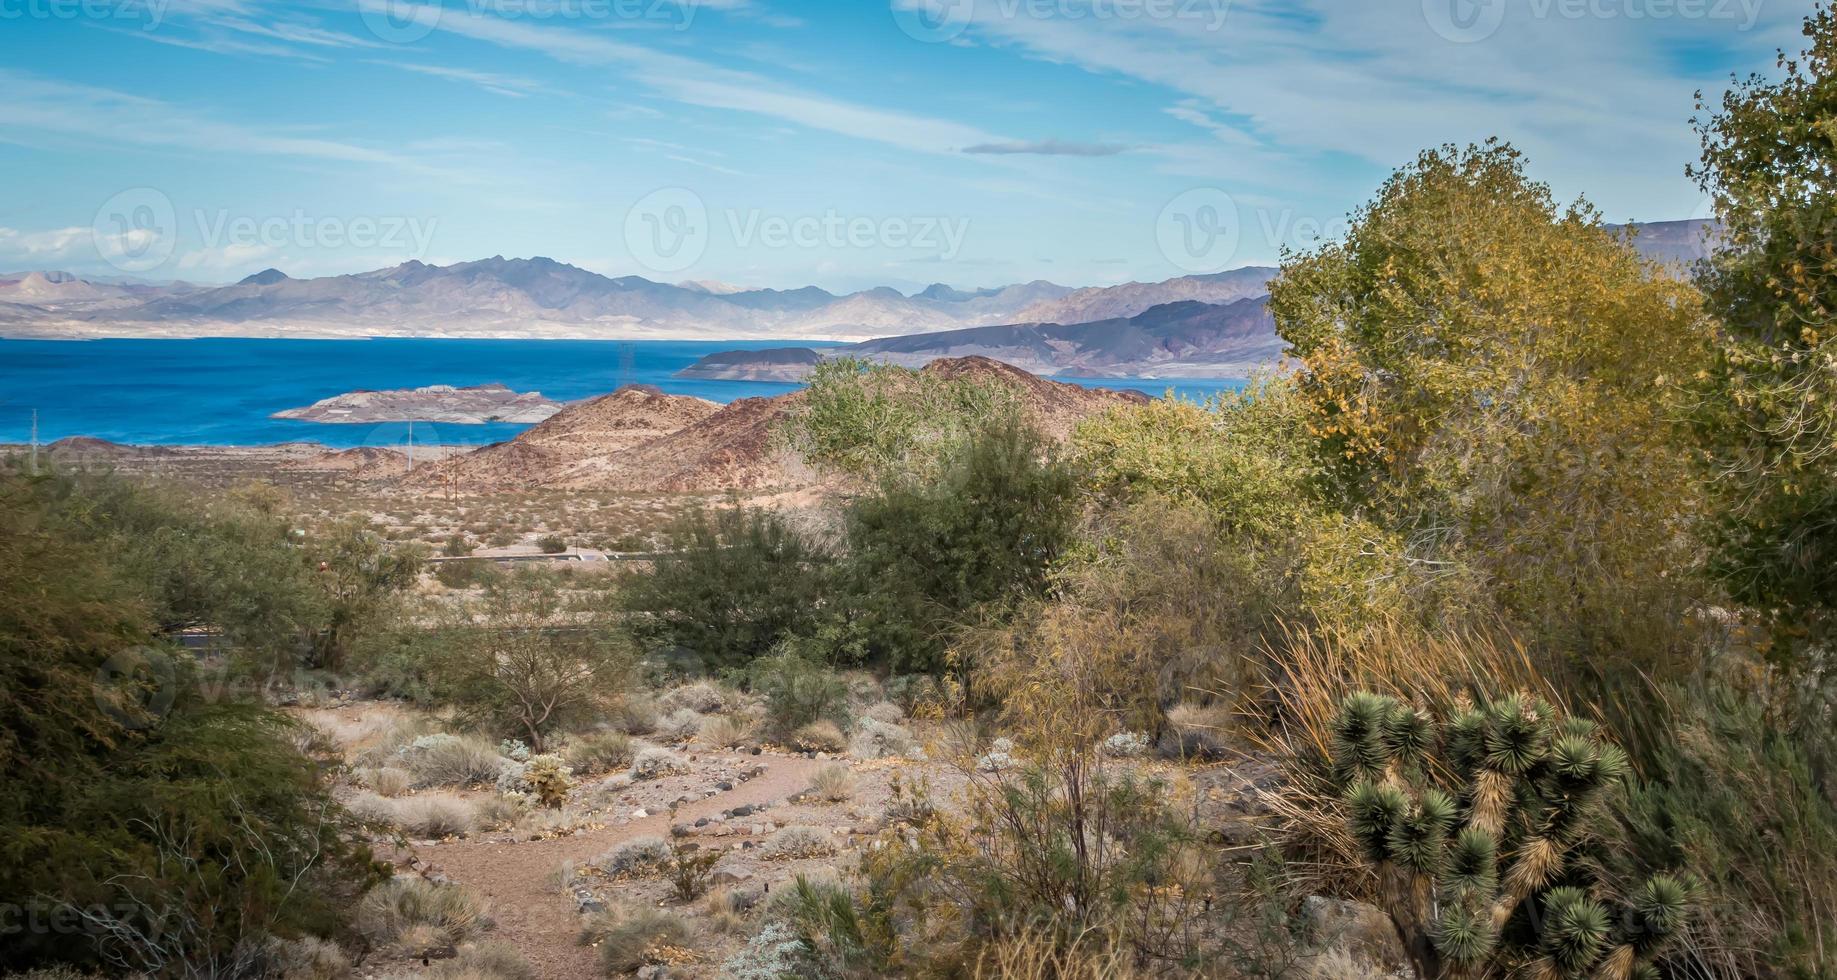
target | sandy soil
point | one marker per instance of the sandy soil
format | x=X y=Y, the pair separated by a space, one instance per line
x=534 y=915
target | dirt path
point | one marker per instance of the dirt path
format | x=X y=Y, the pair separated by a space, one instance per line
x=541 y=922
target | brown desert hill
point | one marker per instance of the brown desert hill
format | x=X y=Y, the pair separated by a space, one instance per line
x=575 y=436
x=362 y=463
x=597 y=444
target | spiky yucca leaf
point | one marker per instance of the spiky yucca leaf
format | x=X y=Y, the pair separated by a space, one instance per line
x=1516 y=736
x=1647 y=971
x=1574 y=762
x=1376 y=809
x=1473 y=862
x=1359 y=747
x=1575 y=929
x=1419 y=839
x=1577 y=727
x=1409 y=733
x=1467 y=740
x=1659 y=907
x=1465 y=934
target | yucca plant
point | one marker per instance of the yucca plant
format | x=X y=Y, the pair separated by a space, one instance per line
x=1475 y=829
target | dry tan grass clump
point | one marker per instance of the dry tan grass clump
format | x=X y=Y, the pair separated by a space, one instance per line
x=388 y=780
x=434 y=817
x=702 y=697
x=488 y=961
x=411 y=914
x=819 y=736
x=833 y=782
x=798 y=841
x=655 y=763
x=453 y=760
x=598 y=752
x=372 y=810
x=634 y=936
x=1038 y=955
x=722 y=732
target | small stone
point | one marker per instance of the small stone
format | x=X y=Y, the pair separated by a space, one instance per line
x=724 y=786
x=701 y=822
x=639 y=814
x=743 y=810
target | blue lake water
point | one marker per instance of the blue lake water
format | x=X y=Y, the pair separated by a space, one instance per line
x=221 y=391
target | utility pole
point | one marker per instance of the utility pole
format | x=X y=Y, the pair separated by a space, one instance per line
x=411 y=445
x=35 y=442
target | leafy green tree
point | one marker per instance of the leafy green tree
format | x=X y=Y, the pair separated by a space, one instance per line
x=148 y=823
x=524 y=661
x=926 y=550
x=739 y=582
x=361 y=582
x=1771 y=400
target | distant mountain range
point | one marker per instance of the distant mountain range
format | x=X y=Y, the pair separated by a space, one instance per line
x=1180 y=339
x=1191 y=325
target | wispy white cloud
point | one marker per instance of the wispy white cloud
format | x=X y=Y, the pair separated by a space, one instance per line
x=54 y=243
x=1049 y=148
x=113 y=118
x=698 y=83
x=494 y=82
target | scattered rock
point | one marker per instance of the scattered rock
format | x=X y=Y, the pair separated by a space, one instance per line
x=1355 y=941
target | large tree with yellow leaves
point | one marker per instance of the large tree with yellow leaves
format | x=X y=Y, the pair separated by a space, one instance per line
x=1499 y=380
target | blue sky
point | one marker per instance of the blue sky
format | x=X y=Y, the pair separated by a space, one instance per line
x=789 y=142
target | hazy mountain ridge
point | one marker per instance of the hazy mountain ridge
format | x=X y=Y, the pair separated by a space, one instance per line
x=542 y=298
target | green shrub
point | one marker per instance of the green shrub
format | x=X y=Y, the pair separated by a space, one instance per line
x=797 y=691
x=116 y=750
x=552 y=544
x=690 y=868
x=739 y=583
x=927 y=549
